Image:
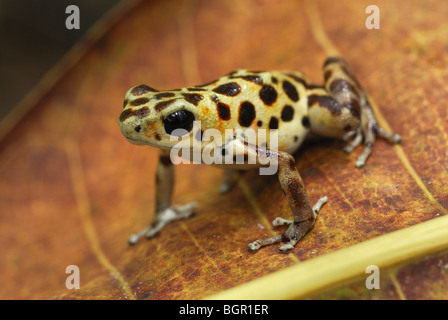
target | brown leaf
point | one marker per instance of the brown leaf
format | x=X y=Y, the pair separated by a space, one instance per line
x=73 y=189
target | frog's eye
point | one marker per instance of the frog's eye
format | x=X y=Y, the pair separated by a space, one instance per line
x=180 y=119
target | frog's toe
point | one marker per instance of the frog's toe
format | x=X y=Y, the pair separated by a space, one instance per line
x=281 y=222
x=162 y=219
x=254 y=246
x=288 y=246
x=355 y=142
x=369 y=138
x=293 y=234
x=257 y=244
x=391 y=137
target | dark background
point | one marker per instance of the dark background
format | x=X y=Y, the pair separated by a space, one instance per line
x=33 y=37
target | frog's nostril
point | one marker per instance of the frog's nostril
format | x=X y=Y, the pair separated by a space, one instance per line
x=138 y=128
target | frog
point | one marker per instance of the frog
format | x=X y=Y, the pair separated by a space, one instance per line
x=286 y=103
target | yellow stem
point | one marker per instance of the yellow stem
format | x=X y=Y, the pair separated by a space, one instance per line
x=343 y=266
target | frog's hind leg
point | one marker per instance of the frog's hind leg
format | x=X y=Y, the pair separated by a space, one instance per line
x=304 y=215
x=346 y=90
x=369 y=130
x=277 y=222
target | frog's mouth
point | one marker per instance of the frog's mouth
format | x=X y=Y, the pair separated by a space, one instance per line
x=139 y=142
x=135 y=141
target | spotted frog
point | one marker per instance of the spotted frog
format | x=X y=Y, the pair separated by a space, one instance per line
x=244 y=101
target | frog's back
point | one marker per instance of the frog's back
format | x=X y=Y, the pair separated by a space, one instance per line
x=274 y=100
x=242 y=99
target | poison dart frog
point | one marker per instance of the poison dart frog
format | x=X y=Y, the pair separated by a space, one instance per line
x=244 y=101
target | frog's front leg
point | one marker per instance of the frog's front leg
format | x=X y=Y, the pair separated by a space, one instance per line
x=304 y=215
x=165 y=212
x=342 y=109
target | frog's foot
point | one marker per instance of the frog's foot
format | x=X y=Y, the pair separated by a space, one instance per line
x=357 y=139
x=369 y=133
x=162 y=218
x=343 y=87
x=293 y=234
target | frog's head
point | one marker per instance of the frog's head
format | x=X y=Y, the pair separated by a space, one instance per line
x=161 y=119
